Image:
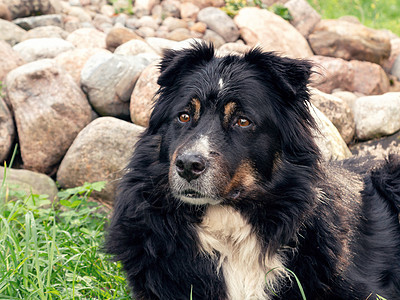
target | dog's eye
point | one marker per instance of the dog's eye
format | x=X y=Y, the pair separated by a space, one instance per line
x=243 y=122
x=184 y=117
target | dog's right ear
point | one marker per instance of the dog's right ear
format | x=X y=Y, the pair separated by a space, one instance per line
x=175 y=62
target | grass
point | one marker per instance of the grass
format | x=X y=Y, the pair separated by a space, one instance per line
x=53 y=250
x=379 y=14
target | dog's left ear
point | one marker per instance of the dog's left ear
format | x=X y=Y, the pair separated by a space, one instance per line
x=290 y=76
x=175 y=62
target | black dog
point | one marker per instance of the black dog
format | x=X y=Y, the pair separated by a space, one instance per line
x=226 y=194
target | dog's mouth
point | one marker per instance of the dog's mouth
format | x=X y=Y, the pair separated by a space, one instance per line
x=192 y=194
x=195 y=197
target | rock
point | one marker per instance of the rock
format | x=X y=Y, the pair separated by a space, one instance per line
x=143 y=95
x=49 y=110
x=25 y=8
x=348 y=97
x=355 y=76
x=337 y=111
x=199 y=27
x=87 y=38
x=144 y=7
x=102 y=22
x=230 y=48
x=376 y=116
x=158 y=44
x=5 y=13
x=304 y=16
x=10 y=32
x=174 y=23
x=206 y=3
x=79 y=13
x=45 y=32
x=134 y=47
x=379 y=148
x=106 y=140
x=170 y=8
x=179 y=34
x=145 y=32
x=260 y=26
x=119 y=36
x=349 y=41
x=71 y=24
x=29 y=182
x=213 y=37
x=38 y=21
x=328 y=139
x=189 y=11
x=394 y=53
x=9 y=60
x=147 y=21
x=109 y=79
x=34 y=49
x=7 y=131
x=219 y=22
x=73 y=61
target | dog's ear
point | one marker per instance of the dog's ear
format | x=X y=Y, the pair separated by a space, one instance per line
x=290 y=76
x=175 y=62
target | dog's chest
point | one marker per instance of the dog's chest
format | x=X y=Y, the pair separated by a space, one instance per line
x=226 y=236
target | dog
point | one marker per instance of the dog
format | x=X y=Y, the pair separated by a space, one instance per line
x=227 y=197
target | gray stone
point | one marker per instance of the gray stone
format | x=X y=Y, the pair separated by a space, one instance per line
x=7 y=130
x=99 y=153
x=304 y=16
x=10 y=32
x=379 y=148
x=49 y=110
x=34 y=49
x=29 y=182
x=38 y=21
x=87 y=38
x=218 y=21
x=262 y=27
x=377 y=116
x=337 y=111
x=349 y=41
x=109 y=79
x=45 y=32
x=9 y=60
x=328 y=138
x=134 y=47
x=213 y=37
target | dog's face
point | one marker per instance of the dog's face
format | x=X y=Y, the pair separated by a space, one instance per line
x=220 y=121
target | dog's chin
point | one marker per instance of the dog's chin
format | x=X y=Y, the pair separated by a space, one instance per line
x=195 y=198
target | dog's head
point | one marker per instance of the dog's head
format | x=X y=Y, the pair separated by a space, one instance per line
x=227 y=122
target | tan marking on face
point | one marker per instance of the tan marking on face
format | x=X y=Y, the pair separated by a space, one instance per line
x=197 y=106
x=228 y=112
x=244 y=177
x=225 y=235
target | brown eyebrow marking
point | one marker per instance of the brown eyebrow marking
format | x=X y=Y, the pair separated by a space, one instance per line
x=229 y=109
x=196 y=105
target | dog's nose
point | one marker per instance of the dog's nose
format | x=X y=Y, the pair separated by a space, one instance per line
x=190 y=166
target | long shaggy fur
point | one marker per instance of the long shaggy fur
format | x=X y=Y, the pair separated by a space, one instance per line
x=226 y=191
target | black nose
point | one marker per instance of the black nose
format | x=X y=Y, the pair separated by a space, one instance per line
x=190 y=166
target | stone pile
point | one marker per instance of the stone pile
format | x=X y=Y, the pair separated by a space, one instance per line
x=79 y=77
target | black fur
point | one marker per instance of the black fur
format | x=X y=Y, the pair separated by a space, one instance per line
x=316 y=210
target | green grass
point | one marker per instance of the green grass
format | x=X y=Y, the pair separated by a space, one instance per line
x=379 y=14
x=53 y=250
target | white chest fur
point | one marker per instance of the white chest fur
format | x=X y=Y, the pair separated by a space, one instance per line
x=241 y=260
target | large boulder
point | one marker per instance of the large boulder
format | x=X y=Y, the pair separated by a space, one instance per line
x=354 y=76
x=99 y=153
x=108 y=80
x=45 y=32
x=143 y=95
x=376 y=116
x=304 y=17
x=337 y=111
x=87 y=38
x=34 y=49
x=10 y=32
x=29 y=182
x=7 y=131
x=49 y=110
x=347 y=40
x=260 y=26
x=25 y=8
x=39 y=21
x=380 y=147
x=9 y=59
x=219 y=22
x=328 y=138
